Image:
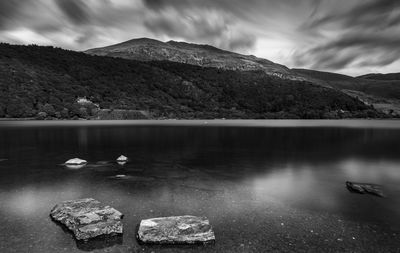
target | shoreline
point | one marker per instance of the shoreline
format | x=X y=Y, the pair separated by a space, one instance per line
x=182 y=119
x=271 y=123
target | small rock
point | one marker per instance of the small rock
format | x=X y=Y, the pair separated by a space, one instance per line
x=88 y=218
x=176 y=230
x=365 y=188
x=75 y=161
x=122 y=158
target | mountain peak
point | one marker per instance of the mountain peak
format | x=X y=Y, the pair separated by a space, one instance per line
x=188 y=45
x=145 y=49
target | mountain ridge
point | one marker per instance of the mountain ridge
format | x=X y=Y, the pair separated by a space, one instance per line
x=145 y=49
x=380 y=76
x=47 y=82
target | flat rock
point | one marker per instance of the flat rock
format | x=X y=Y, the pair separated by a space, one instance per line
x=75 y=161
x=364 y=188
x=88 y=218
x=176 y=230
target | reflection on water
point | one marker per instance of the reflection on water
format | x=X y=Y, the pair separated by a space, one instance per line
x=255 y=175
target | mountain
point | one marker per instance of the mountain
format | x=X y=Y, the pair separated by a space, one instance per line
x=145 y=49
x=49 y=82
x=388 y=77
x=381 y=91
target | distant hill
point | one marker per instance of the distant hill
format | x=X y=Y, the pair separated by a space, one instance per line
x=387 y=77
x=145 y=49
x=381 y=91
x=386 y=88
x=47 y=82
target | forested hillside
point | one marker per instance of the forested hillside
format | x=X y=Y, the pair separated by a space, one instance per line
x=46 y=82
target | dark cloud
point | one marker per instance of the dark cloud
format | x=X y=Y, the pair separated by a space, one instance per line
x=242 y=42
x=370 y=14
x=186 y=27
x=75 y=10
x=360 y=50
x=198 y=25
x=363 y=35
x=8 y=11
x=154 y=4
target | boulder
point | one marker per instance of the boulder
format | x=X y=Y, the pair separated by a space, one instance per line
x=363 y=188
x=75 y=161
x=122 y=158
x=176 y=230
x=88 y=218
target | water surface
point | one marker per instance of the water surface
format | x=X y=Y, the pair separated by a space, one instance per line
x=264 y=185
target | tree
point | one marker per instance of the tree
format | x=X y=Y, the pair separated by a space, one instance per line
x=2 y=112
x=16 y=108
x=83 y=112
x=49 y=109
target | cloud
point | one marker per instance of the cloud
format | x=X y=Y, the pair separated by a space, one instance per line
x=8 y=11
x=199 y=26
x=370 y=14
x=75 y=10
x=338 y=35
x=359 y=49
x=190 y=25
x=361 y=36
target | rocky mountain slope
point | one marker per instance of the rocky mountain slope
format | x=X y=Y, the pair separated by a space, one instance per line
x=145 y=49
x=48 y=82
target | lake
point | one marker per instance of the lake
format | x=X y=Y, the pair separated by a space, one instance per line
x=265 y=185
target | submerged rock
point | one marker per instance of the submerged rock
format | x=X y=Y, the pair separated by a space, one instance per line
x=122 y=158
x=120 y=176
x=132 y=178
x=75 y=167
x=75 y=161
x=363 y=188
x=176 y=230
x=88 y=218
x=103 y=163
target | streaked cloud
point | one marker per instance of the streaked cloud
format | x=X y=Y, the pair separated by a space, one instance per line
x=351 y=37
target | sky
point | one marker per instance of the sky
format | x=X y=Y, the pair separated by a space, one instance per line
x=352 y=37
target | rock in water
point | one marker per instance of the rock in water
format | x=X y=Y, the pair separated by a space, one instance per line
x=88 y=218
x=365 y=188
x=122 y=158
x=176 y=230
x=75 y=161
